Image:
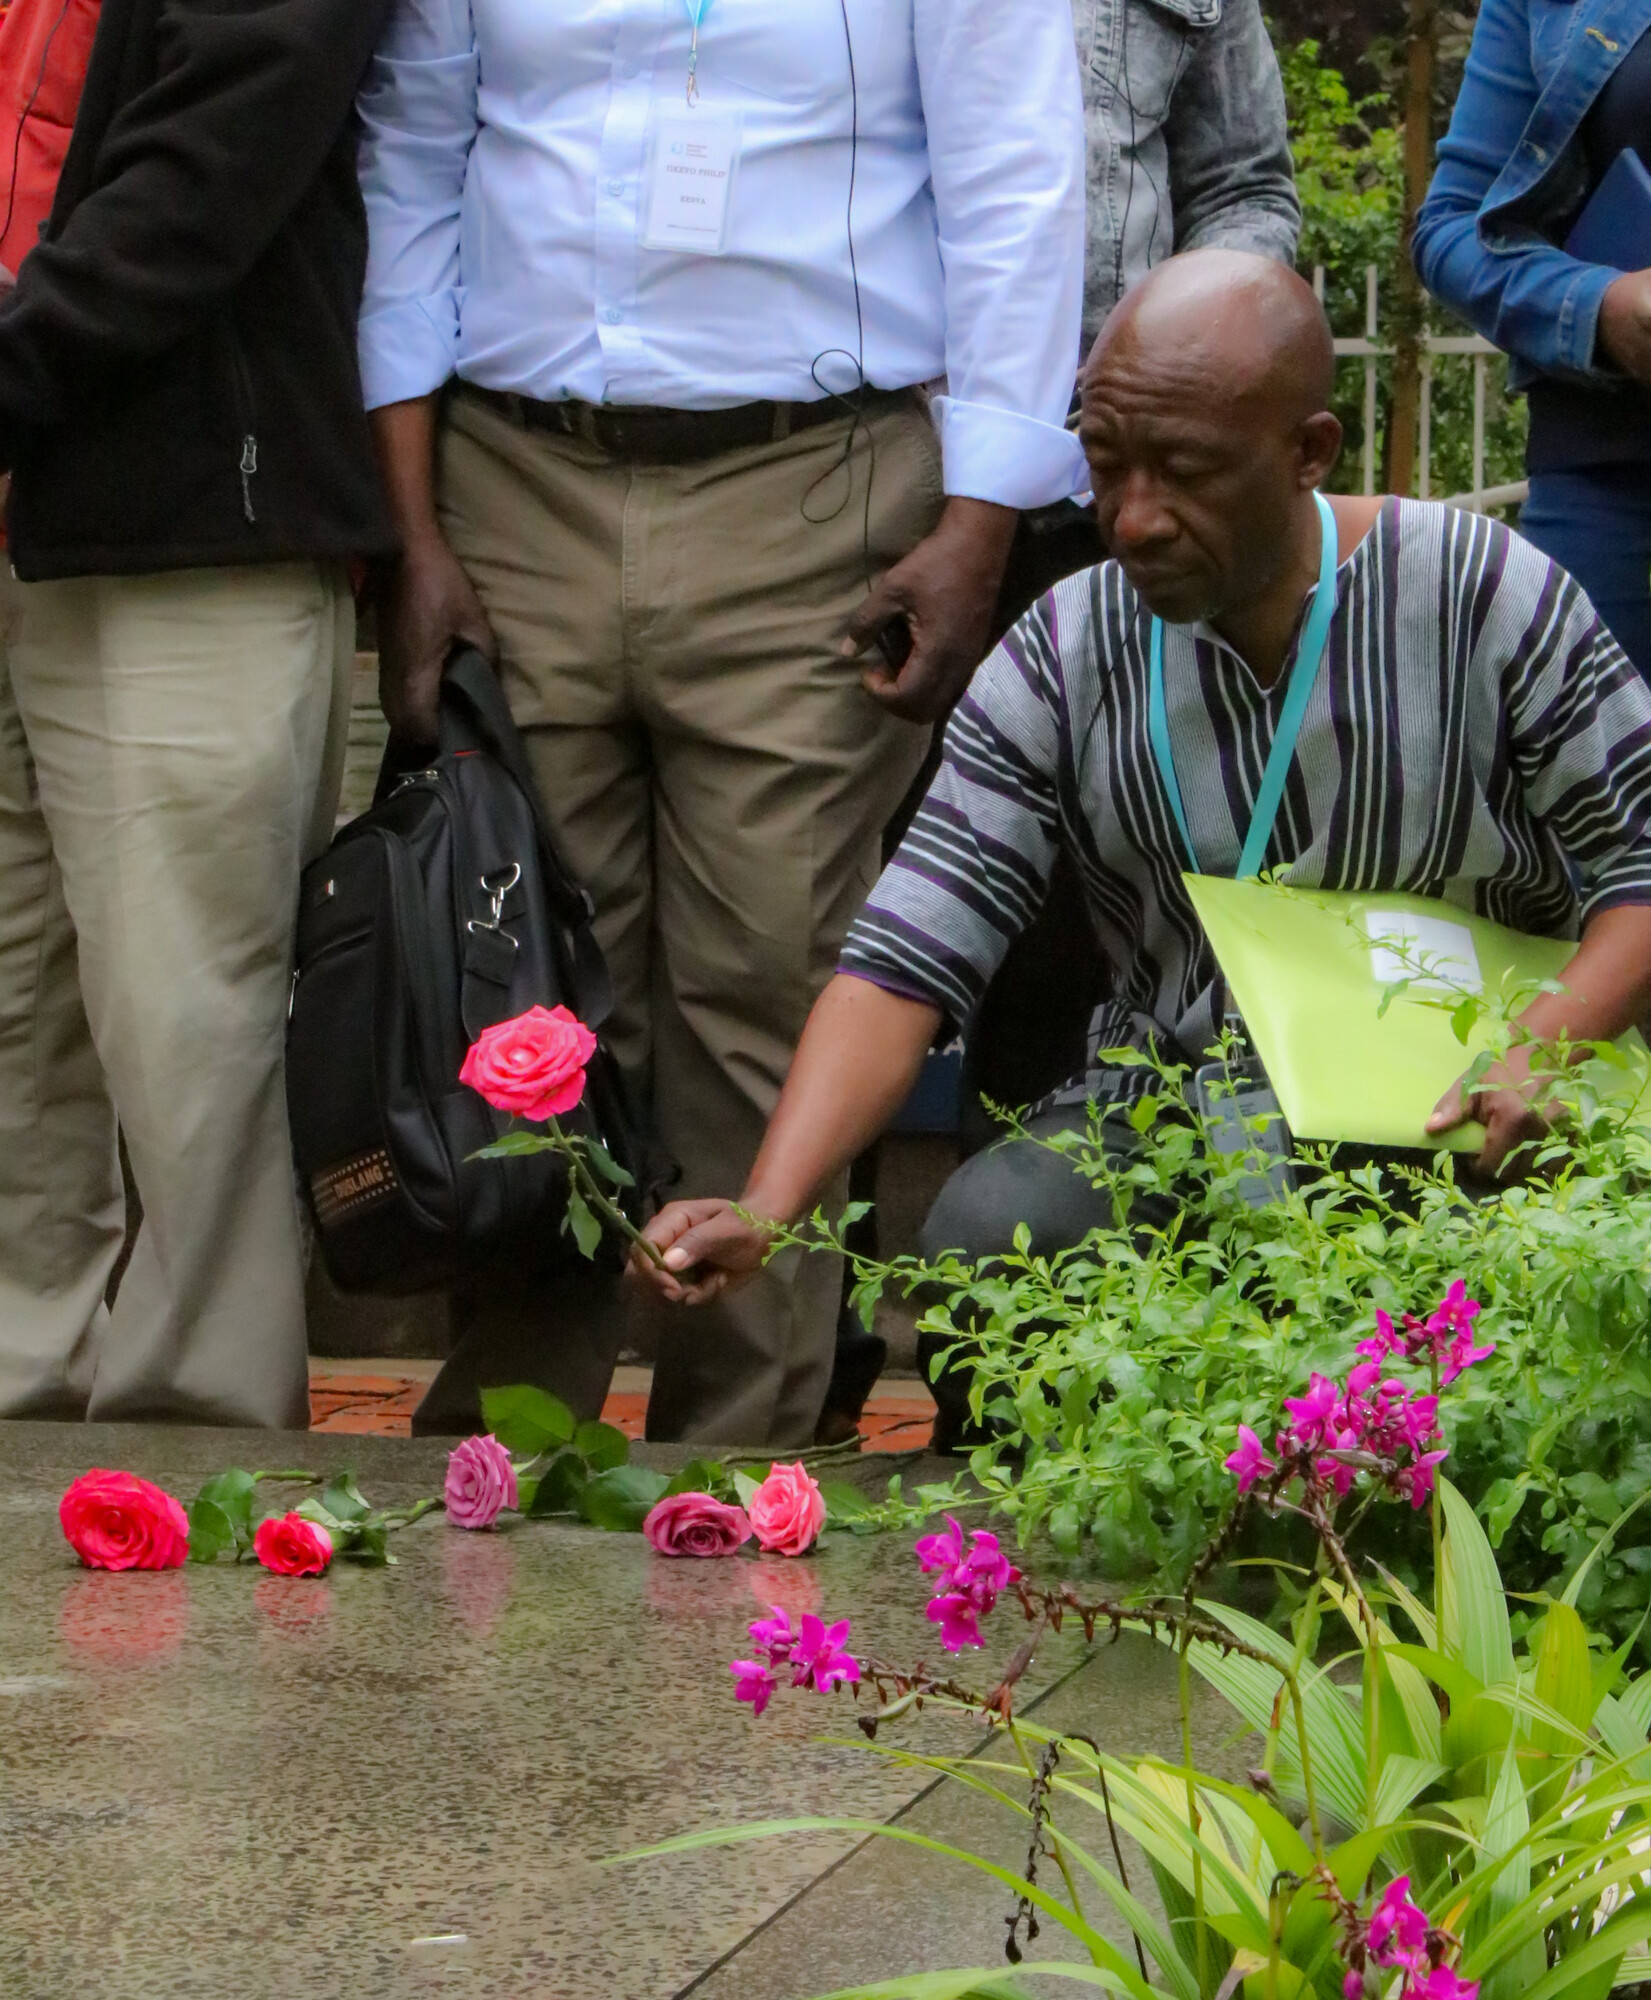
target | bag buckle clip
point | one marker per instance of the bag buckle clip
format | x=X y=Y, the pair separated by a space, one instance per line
x=496 y=887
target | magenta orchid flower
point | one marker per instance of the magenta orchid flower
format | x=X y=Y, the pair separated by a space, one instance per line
x=944 y=1551
x=1398 y=1930
x=1249 y=1462
x=774 y=1636
x=1463 y=1354
x=958 y=1619
x=818 y=1660
x=1441 y=1984
x=753 y=1683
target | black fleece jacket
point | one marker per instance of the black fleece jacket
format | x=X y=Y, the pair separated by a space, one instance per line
x=178 y=379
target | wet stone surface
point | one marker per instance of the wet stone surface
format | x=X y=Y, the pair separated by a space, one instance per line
x=410 y=1781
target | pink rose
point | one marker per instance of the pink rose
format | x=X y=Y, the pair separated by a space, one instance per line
x=114 y=1520
x=292 y=1546
x=533 y=1066
x=693 y=1524
x=481 y=1483
x=787 y=1511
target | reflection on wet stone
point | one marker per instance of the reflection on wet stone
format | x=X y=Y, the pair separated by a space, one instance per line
x=232 y=1783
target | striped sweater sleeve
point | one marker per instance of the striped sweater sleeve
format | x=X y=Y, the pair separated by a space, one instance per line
x=974 y=867
x=1580 y=740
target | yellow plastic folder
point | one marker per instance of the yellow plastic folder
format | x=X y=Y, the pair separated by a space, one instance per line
x=1308 y=969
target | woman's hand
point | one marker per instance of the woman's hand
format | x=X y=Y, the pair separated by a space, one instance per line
x=1625 y=324
x=708 y=1239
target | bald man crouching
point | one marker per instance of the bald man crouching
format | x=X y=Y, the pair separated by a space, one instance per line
x=1473 y=732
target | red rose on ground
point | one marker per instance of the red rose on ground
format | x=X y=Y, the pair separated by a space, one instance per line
x=693 y=1524
x=292 y=1546
x=114 y=1520
x=787 y=1510
x=533 y=1066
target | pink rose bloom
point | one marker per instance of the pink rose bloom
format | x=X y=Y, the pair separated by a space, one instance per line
x=533 y=1066
x=480 y=1484
x=693 y=1524
x=787 y=1511
x=114 y=1520
x=291 y=1546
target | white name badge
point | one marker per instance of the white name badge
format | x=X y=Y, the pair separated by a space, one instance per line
x=689 y=181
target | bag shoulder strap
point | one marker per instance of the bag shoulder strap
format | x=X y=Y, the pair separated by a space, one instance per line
x=474 y=715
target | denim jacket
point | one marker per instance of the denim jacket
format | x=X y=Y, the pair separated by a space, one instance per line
x=1188 y=144
x=1511 y=179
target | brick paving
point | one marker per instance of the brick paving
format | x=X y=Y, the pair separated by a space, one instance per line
x=379 y=1401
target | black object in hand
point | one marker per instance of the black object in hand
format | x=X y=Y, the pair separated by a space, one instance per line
x=894 y=643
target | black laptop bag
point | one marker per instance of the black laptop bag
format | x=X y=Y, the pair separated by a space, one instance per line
x=440 y=911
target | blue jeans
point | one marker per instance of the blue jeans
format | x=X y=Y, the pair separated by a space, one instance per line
x=1597 y=525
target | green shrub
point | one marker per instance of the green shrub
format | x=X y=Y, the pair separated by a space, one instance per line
x=1116 y=1373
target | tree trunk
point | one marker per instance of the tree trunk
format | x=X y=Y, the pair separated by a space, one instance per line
x=1421 y=47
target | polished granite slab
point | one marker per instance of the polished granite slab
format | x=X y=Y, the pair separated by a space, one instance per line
x=408 y=1782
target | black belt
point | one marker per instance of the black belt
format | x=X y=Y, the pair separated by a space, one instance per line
x=678 y=437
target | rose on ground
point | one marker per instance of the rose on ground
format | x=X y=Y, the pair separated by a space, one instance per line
x=480 y=1484
x=532 y=1066
x=694 y=1524
x=292 y=1546
x=115 y=1520
x=787 y=1511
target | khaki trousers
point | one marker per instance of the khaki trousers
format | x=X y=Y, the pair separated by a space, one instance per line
x=170 y=753
x=719 y=779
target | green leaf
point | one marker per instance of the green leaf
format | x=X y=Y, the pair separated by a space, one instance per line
x=703 y=1475
x=745 y=1486
x=527 y=1420
x=343 y=1499
x=602 y=1161
x=843 y=1502
x=1507 y=1825
x=601 y=1445
x=513 y=1145
x=1066 y=1528
x=621 y=1499
x=1473 y=1612
x=587 y=1231
x=558 y=1487
x=210 y=1531
x=221 y=1517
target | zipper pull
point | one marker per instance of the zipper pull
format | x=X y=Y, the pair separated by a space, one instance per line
x=249 y=465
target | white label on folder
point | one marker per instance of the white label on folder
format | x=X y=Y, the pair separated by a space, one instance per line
x=1433 y=954
x=690 y=177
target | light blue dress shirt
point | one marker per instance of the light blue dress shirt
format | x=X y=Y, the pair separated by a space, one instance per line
x=504 y=159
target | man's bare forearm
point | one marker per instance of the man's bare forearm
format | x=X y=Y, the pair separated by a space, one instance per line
x=404 y=439
x=1607 y=985
x=855 y=1065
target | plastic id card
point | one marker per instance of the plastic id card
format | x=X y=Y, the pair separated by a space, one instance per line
x=1308 y=969
x=688 y=184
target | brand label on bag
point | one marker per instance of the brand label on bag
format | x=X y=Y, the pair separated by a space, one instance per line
x=342 y=1191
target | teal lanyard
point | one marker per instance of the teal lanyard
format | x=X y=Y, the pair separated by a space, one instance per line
x=1296 y=697
x=696 y=14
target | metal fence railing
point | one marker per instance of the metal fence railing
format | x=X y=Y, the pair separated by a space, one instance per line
x=1371 y=349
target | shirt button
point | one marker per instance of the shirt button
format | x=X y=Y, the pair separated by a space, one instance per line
x=613 y=315
x=627 y=69
x=616 y=187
